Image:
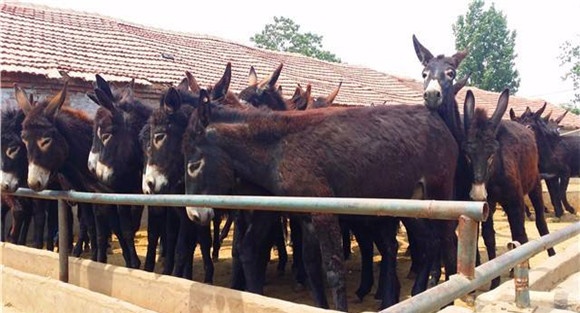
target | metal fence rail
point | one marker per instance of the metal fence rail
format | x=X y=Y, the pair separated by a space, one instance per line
x=457 y=286
x=469 y=213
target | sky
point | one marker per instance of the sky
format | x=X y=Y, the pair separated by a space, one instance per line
x=374 y=34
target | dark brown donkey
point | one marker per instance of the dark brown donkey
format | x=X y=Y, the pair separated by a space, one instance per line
x=14 y=172
x=164 y=170
x=58 y=141
x=504 y=159
x=440 y=88
x=117 y=124
x=559 y=155
x=281 y=152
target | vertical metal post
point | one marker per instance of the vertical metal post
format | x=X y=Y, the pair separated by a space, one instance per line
x=63 y=240
x=467 y=246
x=521 y=279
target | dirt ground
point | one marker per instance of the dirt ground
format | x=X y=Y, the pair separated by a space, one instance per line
x=282 y=287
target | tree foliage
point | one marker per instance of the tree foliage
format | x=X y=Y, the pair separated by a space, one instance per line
x=570 y=58
x=284 y=35
x=491 y=48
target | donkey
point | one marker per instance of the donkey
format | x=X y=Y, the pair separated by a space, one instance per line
x=302 y=99
x=58 y=141
x=280 y=152
x=14 y=172
x=504 y=159
x=440 y=88
x=117 y=124
x=160 y=139
x=559 y=155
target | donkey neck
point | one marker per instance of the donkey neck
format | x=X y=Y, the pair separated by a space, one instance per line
x=450 y=114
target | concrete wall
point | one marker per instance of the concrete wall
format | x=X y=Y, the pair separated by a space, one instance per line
x=151 y=291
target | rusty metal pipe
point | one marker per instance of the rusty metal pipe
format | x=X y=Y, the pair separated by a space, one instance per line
x=433 y=209
x=521 y=279
x=63 y=240
x=467 y=246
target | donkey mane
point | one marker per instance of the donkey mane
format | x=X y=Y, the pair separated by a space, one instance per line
x=11 y=123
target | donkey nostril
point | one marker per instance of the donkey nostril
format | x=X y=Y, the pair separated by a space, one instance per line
x=150 y=184
x=438 y=94
x=196 y=218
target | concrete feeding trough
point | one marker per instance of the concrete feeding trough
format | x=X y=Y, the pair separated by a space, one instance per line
x=30 y=284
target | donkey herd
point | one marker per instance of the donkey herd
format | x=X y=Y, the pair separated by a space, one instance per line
x=255 y=142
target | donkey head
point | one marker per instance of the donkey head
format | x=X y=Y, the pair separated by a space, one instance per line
x=438 y=74
x=116 y=126
x=546 y=131
x=14 y=163
x=161 y=139
x=264 y=93
x=46 y=147
x=481 y=144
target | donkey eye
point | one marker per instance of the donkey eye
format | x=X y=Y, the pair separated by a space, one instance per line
x=158 y=139
x=44 y=142
x=194 y=167
x=424 y=74
x=11 y=152
x=450 y=74
x=106 y=137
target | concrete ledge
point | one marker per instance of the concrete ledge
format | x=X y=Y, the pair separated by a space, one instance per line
x=456 y=309
x=152 y=291
x=31 y=293
x=542 y=280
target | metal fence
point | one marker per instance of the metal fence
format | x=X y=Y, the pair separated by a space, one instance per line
x=468 y=213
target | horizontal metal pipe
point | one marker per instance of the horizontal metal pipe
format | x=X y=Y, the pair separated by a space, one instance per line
x=434 y=209
x=458 y=285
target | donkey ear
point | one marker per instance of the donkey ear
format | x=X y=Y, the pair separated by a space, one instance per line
x=104 y=85
x=104 y=100
x=223 y=85
x=191 y=82
x=271 y=81
x=561 y=117
x=423 y=54
x=252 y=78
x=93 y=97
x=22 y=99
x=459 y=56
x=468 y=109
x=547 y=117
x=204 y=108
x=183 y=85
x=540 y=111
x=56 y=102
x=460 y=84
x=333 y=94
x=513 y=116
x=172 y=100
x=502 y=104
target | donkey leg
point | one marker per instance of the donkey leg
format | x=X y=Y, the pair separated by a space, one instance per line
x=365 y=244
x=52 y=223
x=328 y=231
x=205 y=243
x=298 y=270
x=172 y=232
x=238 y=280
x=346 y=244
x=255 y=250
x=127 y=223
x=39 y=216
x=280 y=242
x=312 y=259
x=554 y=191
x=564 y=180
x=538 y=202
x=384 y=234
x=184 y=246
x=216 y=243
x=488 y=234
x=155 y=219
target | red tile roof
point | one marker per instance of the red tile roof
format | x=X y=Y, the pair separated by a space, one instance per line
x=43 y=40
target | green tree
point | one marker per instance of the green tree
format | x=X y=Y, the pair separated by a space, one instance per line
x=491 y=48
x=570 y=58
x=284 y=35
